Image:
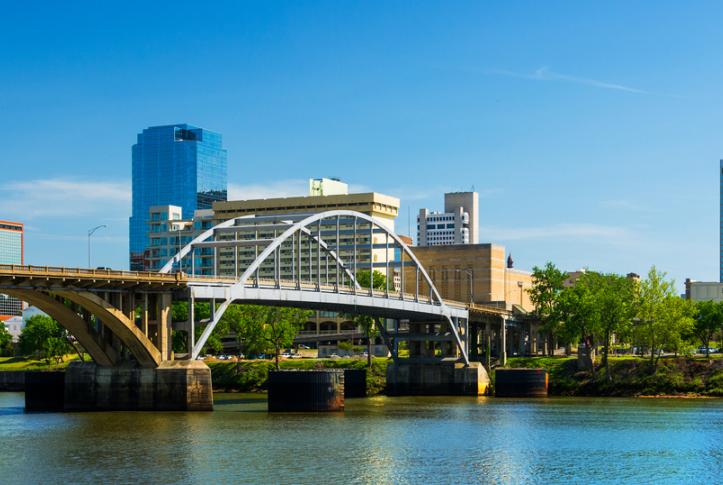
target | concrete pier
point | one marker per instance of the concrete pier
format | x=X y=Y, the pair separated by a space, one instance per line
x=306 y=391
x=442 y=379
x=174 y=386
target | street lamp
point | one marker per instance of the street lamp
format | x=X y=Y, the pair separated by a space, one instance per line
x=470 y=273
x=90 y=233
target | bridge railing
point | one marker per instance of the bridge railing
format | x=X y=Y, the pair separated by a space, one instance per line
x=59 y=271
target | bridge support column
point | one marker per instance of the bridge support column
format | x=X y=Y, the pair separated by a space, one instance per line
x=174 y=386
x=503 y=341
x=163 y=325
x=441 y=378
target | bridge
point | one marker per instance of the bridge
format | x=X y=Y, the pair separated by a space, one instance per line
x=313 y=261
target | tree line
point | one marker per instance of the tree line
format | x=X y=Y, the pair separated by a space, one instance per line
x=599 y=310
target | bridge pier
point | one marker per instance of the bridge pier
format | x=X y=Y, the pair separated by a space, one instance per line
x=434 y=365
x=442 y=379
x=173 y=386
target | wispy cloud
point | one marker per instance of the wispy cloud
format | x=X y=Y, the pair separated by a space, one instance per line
x=546 y=74
x=30 y=199
x=624 y=205
x=411 y=194
x=615 y=234
x=279 y=188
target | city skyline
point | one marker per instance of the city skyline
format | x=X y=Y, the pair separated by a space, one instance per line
x=591 y=154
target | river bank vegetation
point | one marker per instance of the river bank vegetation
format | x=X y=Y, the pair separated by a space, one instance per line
x=606 y=314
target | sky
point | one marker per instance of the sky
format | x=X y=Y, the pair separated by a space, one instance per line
x=591 y=130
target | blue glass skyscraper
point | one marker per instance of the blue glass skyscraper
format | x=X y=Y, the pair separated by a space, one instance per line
x=174 y=165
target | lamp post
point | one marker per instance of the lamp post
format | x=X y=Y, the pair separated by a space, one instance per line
x=90 y=233
x=470 y=273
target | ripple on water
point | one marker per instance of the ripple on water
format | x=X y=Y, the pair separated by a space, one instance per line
x=377 y=440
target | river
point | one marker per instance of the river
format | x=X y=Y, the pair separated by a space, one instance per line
x=376 y=440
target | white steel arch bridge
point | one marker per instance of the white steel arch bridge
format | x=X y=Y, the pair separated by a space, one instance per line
x=314 y=261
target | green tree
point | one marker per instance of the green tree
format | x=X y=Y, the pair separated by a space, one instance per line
x=614 y=299
x=6 y=341
x=364 y=278
x=578 y=316
x=279 y=328
x=545 y=295
x=370 y=325
x=708 y=321
x=44 y=337
x=662 y=317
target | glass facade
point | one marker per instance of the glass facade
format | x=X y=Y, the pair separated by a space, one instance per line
x=11 y=252
x=174 y=165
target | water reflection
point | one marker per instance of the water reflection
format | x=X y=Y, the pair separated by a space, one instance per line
x=377 y=440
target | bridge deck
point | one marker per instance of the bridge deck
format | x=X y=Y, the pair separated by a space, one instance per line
x=15 y=276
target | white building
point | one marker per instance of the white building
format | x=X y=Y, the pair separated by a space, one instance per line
x=325 y=186
x=458 y=224
x=15 y=326
x=703 y=290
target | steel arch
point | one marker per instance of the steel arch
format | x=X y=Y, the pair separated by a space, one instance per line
x=303 y=226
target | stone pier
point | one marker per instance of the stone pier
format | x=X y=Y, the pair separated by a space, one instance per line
x=443 y=378
x=174 y=386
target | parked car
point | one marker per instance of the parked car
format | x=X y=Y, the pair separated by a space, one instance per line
x=296 y=356
x=286 y=355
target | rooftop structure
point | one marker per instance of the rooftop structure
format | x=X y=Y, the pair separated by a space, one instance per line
x=458 y=224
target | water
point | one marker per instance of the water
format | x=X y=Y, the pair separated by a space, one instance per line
x=377 y=440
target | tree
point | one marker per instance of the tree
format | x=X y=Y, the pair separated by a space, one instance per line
x=614 y=299
x=44 y=337
x=662 y=317
x=245 y=322
x=363 y=277
x=281 y=326
x=369 y=325
x=6 y=341
x=708 y=321
x=578 y=317
x=544 y=294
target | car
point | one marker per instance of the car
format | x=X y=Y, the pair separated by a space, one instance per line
x=296 y=356
x=302 y=346
x=335 y=356
x=286 y=355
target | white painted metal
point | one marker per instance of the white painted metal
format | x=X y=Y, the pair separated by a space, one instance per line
x=248 y=288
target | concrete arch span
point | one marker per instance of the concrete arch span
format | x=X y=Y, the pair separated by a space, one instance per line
x=126 y=330
x=102 y=354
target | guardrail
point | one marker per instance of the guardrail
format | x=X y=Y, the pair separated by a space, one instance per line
x=63 y=272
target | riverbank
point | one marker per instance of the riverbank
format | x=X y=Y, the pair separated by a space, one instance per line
x=631 y=376
x=251 y=375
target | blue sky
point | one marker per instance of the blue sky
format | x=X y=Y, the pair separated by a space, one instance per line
x=590 y=129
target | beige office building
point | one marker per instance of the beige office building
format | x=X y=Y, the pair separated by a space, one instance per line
x=382 y=208
x=474 y=272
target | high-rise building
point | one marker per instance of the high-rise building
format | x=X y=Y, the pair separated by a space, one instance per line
x=458 y=224
x=179 y=165
x=12 y=251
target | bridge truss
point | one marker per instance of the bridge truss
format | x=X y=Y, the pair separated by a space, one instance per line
x=316 y=261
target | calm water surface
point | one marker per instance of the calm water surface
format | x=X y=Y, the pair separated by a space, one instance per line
x=377 y=440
